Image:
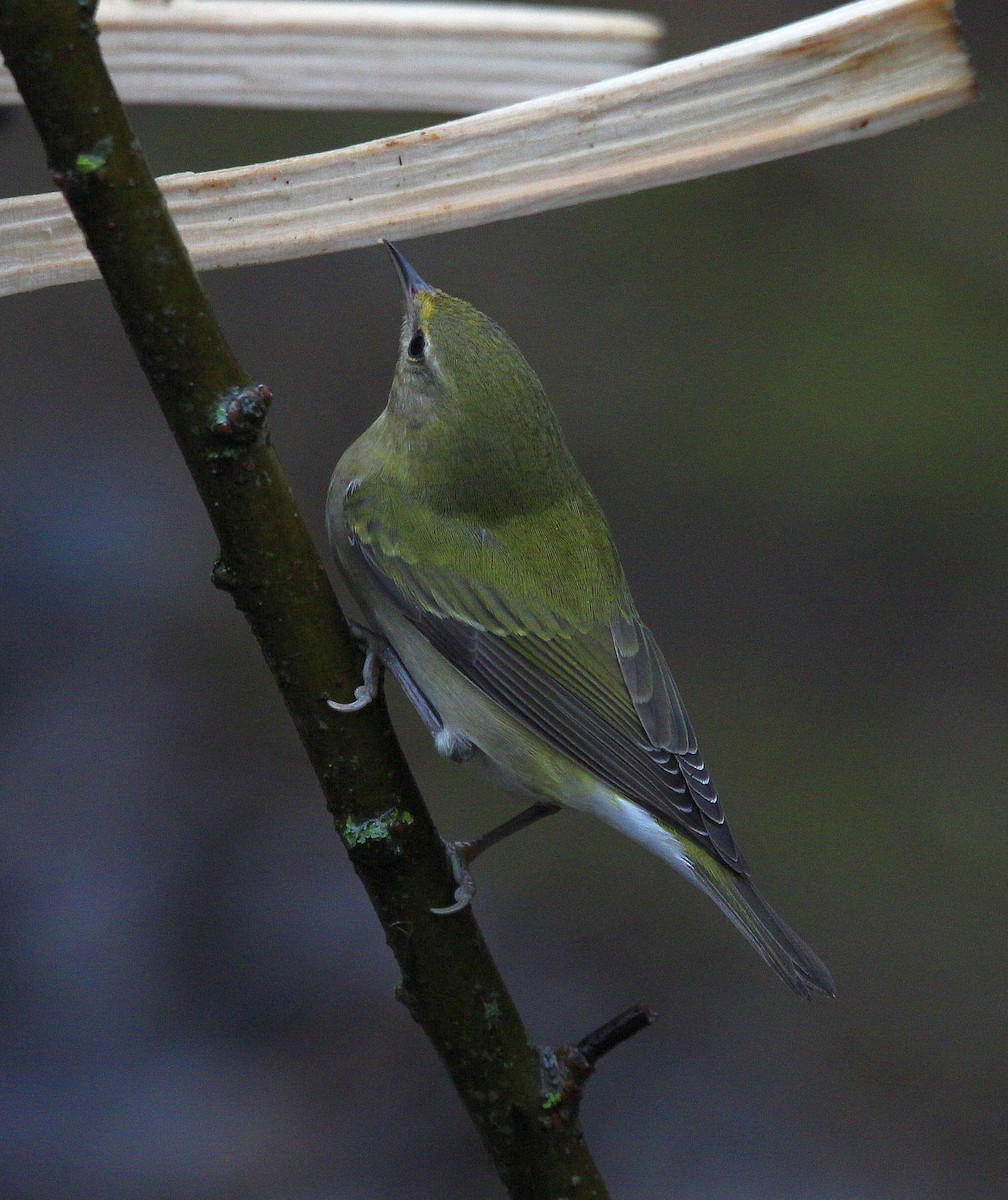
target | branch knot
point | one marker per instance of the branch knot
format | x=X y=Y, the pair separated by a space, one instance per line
x=241 y=412
x=566 y=1069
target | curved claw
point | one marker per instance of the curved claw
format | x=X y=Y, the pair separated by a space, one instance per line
x=458 y=857
x=367 y=689
x=364 y=694
x=461 y=854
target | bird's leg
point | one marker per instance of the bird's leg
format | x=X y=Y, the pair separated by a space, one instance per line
x=462 y=854
x=374 y=658
x=449 y=742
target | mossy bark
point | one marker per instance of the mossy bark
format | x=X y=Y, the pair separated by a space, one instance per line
x=269 y=564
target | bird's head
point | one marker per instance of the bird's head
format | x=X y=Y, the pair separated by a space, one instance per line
x=455 y=364
x=467 y=409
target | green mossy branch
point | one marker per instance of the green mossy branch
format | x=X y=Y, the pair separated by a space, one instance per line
x=268 y=563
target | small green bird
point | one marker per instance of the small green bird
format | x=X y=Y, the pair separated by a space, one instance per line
x=470 y=539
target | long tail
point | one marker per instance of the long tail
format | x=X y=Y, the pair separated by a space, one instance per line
x=796 y=964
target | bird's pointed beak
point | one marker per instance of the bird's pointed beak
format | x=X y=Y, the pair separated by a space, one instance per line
x=410 y=280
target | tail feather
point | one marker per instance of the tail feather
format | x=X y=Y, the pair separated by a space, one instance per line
x=732 y=892
x=798 y=965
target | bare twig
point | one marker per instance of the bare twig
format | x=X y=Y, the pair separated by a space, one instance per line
x=566 y=1070
x=613 y=1033
x=850 y=73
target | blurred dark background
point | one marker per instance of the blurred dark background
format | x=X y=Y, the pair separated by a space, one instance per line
x=787 y=386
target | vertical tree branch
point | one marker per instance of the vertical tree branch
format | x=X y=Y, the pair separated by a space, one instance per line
x=268 y=563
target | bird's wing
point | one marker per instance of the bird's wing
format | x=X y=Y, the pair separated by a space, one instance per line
x=586 y=677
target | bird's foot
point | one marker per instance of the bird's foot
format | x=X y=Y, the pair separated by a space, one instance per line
x=367 y=689
x=462 y=854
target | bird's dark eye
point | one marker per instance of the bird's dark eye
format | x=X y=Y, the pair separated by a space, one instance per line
x=417 y=345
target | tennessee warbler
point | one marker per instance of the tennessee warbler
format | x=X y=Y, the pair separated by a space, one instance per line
x=470 y=539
